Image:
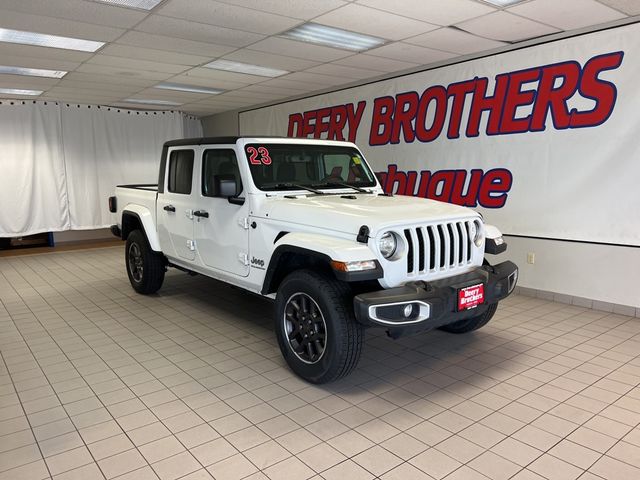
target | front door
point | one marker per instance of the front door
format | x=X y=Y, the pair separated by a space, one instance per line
x=221 y=228
x=175 y=205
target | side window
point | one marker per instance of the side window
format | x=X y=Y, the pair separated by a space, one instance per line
x=217 y=165
x=181 y=171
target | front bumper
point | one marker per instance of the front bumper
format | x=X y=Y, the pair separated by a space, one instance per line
x=434 y=304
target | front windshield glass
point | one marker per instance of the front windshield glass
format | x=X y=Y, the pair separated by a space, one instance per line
x=278 y=166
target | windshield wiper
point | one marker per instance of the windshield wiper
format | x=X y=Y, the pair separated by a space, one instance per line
x=298 y=186
x=346 y=185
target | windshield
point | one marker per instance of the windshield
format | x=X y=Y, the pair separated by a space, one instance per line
x=278 y=166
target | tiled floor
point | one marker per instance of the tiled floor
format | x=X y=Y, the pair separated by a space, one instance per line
x=97 y=381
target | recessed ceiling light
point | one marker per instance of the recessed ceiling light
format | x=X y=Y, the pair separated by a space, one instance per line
x=17 y=91
x=139 y=4
x=31 y=72
x=503 y=3
x=238 y=67
x=45 y=40
x=181 y=87
x=143 y=101
x=333 y=37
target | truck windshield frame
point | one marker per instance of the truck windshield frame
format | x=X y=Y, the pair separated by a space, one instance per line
x=285 y=166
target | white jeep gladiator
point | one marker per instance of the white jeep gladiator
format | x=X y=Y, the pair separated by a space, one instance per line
x=306 y=222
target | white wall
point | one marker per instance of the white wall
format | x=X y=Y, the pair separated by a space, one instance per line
x=221 y=124
x=602 y=273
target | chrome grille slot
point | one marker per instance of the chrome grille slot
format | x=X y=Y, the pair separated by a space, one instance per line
x=439 y=247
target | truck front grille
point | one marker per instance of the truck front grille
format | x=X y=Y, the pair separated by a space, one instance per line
x=439 y=247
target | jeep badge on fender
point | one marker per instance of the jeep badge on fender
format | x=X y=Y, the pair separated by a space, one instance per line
x=418 y=265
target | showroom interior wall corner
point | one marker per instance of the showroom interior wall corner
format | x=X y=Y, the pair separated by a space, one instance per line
x=60 y=162
x=221 y=124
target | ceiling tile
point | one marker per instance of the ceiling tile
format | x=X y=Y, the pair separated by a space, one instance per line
x=266 y=87
x=133 y=64
x=88 y=78
x=87 y=92
x=370 y=21
x=229 y=16
x=79 y=10
x=344 y=71
x=29 y=83
x=28 y=62
x=439 y=12
x=207 y=82
x=506 y=27
x=102 y=86
x=305 y=10
x=410 y=53
x=30 y=51
x=172 y=44
x=264 y=59
x=317 y=78
x=296 y=85
x=567 y=14
x=630 y=7
x=362 y=60
x=122 y=72
x=66 y=28
x=456 y=41
x=160 y=56
x=304 y=50
x=199 y=32
x=172 y=95
x=212 y=74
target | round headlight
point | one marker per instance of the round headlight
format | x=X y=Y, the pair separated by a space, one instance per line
x=388 y=244
x=476 y=233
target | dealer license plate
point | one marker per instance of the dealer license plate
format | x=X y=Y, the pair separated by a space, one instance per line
x=470 y=297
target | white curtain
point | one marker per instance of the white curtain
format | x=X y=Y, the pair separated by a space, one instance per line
x=62 y=162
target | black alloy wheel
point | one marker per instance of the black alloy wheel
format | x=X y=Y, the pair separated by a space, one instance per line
x=306 y=328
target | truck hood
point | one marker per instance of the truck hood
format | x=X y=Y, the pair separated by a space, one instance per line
x=347 y=212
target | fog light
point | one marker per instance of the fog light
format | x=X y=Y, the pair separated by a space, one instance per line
x=408 y=310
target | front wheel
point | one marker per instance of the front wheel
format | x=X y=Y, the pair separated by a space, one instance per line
x=473 y=323
x=317 y=332
x=144 y=266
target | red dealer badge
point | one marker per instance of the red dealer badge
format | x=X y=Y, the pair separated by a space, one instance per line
x=470 y=297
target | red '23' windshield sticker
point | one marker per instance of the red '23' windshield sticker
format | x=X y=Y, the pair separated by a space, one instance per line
x=259 y=156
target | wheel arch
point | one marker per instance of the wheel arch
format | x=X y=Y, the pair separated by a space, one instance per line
x=316 y=251
x=139 y=217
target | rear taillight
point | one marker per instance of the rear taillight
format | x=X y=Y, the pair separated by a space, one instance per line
x=113 y=206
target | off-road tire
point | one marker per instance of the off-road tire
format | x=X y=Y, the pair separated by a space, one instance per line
x=473 y=323
x=343 y=334
x=150 y=279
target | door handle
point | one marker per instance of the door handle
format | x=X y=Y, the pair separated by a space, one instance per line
x=169 y=208
x=201 y=213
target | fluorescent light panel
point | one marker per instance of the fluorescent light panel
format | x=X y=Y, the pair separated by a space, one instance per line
x=139 y=4
x=229 y=66
x=45 y=40
x=144 y=101
x=31 y=72
x=333 y=37
x=181 y=87
x=17 y=91
x=503 y=3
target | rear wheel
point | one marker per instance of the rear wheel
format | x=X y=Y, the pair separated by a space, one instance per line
x=473 y=323
x=144 y=266
x=317 y=332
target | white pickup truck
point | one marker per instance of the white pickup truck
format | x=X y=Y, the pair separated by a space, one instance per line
x=306 y=222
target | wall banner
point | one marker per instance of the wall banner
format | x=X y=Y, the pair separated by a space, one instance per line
x=542 y=140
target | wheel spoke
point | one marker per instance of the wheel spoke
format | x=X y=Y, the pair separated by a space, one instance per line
x=305 y=327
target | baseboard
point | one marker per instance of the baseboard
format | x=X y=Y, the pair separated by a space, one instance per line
x=627 y=310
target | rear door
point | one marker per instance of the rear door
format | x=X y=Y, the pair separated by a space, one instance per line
x=175 y=205
x=222 y=235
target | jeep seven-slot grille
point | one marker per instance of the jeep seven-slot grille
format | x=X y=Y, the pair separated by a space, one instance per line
x=438 y=247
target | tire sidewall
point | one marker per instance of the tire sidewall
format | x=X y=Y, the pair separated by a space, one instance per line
x=137 y=238
x=301 y=282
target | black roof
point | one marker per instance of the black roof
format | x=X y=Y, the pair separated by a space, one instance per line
x=211 y=140
x=222 y=140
